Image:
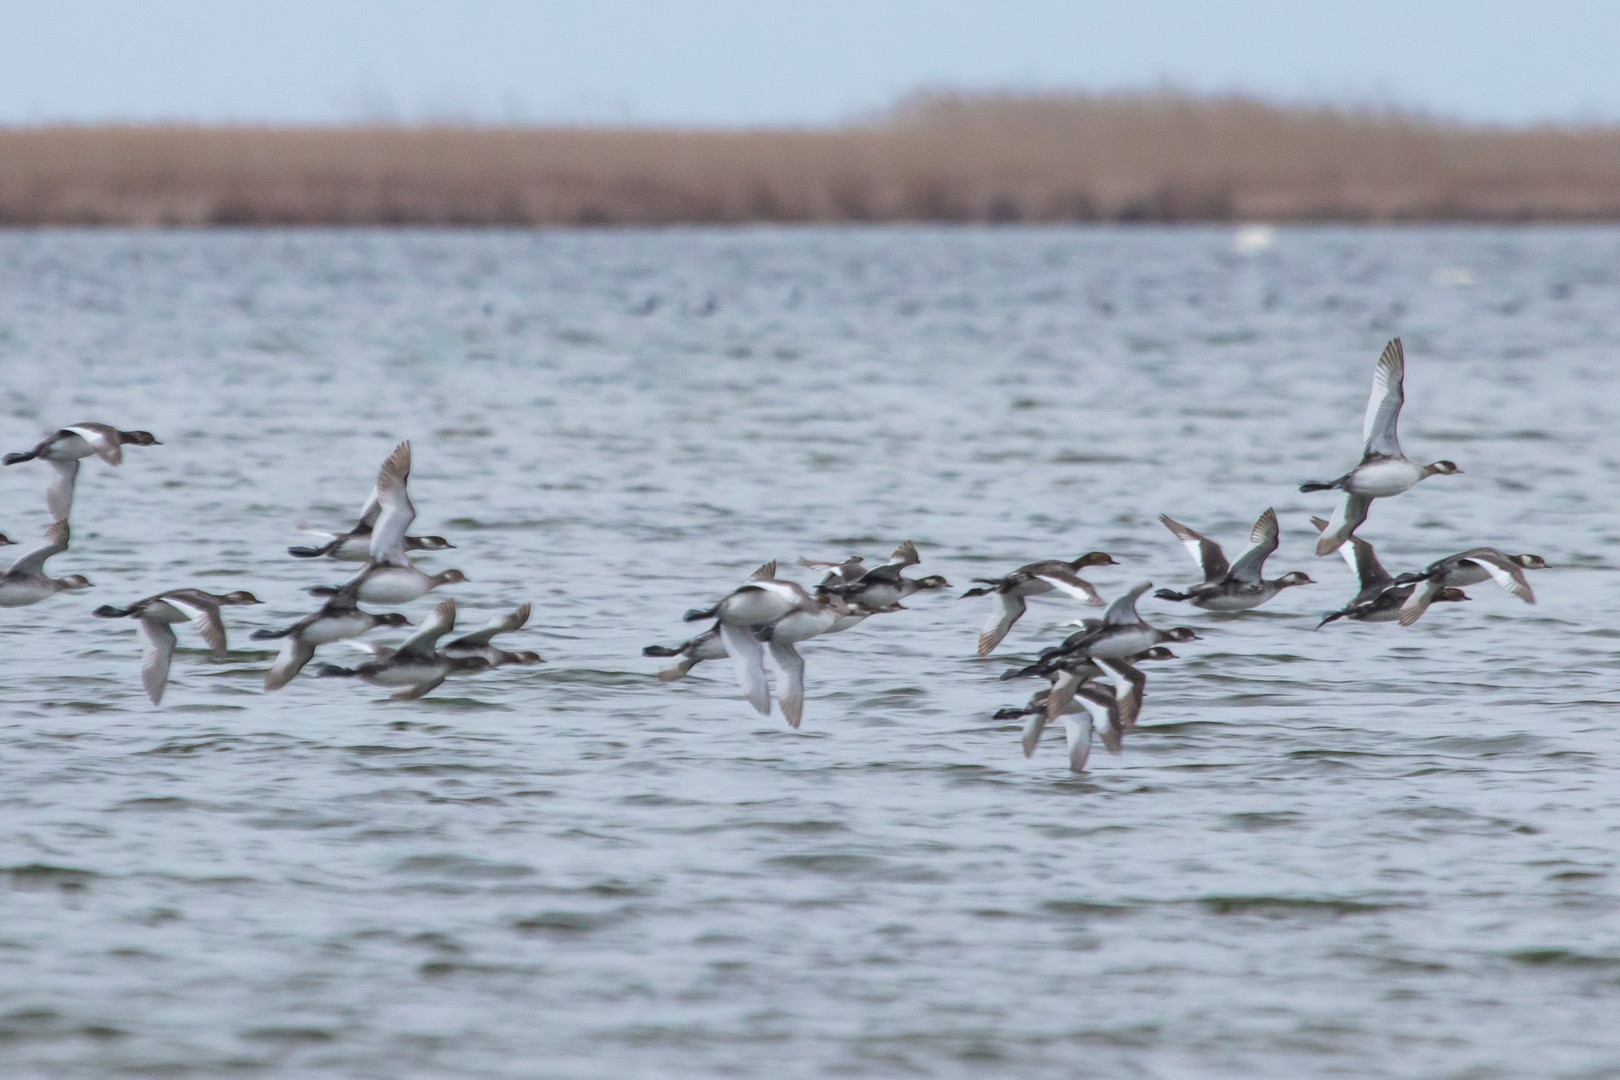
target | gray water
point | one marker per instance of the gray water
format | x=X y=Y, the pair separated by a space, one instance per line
x=1360 y=851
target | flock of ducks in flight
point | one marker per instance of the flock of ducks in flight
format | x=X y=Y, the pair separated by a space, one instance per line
x=379 y=541
x=1094 y=686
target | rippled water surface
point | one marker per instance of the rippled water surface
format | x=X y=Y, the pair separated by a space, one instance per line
x=1360 y=851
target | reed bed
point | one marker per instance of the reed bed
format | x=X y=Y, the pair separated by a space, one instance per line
x=933 y=158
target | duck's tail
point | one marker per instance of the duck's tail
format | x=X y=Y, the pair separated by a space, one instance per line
x=1170 y=594
x=310 y=552
x=1009 y=714
x=660 y=650
x=107 y=611
x=325 y=590
x=1315 y=485
x=980 y=591
x=18 y=458
x=1329 y=617
x=332 y=671
x=698 y=615
x=269 y=635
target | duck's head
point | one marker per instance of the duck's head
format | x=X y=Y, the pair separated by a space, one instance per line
x=1158 y=652
x=392 y=618
x=1451 y=596
x=933 y=581
x=1181 y=633
x=430 y=543
x=4 y=540
x=1296 y=577
x=469 y=663
x=527 y=657
x=1094 y=558
x=451 y=577
x=240 y=596
x=1444 y=468
x=1529 y=562
x=73 y=581
x=139 y=438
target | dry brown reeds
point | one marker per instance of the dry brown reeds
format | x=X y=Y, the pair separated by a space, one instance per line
x=936 y=157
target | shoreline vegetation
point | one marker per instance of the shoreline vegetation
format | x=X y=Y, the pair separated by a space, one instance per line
x=937 y=157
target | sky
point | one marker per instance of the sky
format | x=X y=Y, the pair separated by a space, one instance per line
x=773 y=62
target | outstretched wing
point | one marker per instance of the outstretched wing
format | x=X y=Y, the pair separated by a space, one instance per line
x=1416 y=604
x=905 y=555
x=1033 y=727
x=1130 y=686
x=1360 y=558
x=440 y=623
x=56 y=542
x=1205 y=552
x=790 y=695
x=397 y=512
x=1263 y=538
x=1005 y=609
x=1504 y=573
x=157 y=649
x=295 y=653
x=1384 y=404
x=503 y=624
x=1123 y=611
x=749 y=657
x=1077 y=730
x=59 y=496
x=1064 y=686
x=1347 y=518
x=207 y=618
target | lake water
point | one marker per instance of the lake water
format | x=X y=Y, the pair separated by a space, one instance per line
x=1360 y=851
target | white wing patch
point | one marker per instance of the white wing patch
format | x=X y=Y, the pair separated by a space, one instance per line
x=1511 y=580
x=107 y=447
x=1080 y=590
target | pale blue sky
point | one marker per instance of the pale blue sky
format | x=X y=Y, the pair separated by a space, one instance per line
x=773 y=61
